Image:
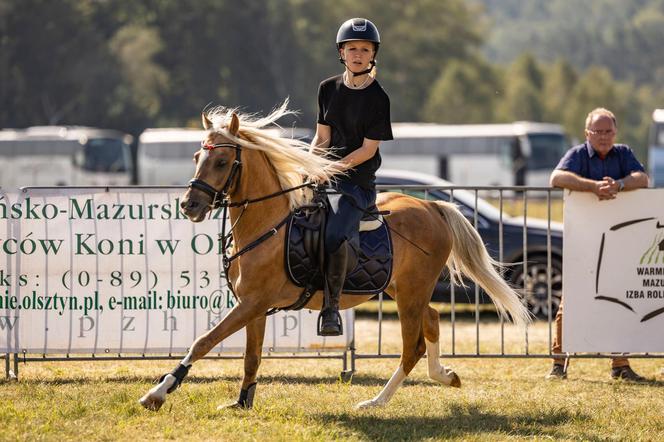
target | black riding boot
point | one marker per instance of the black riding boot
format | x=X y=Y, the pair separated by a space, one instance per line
x=329 y=320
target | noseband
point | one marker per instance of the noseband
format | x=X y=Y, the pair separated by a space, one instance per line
x=219 y=196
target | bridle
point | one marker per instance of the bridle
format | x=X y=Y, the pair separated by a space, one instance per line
x=220 y=197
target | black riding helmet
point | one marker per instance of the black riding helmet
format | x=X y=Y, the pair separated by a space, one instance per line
x=358 y=29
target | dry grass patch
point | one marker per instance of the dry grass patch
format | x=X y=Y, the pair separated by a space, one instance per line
x=305 y=399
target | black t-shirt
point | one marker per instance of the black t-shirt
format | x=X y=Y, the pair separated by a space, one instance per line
x=353 y=115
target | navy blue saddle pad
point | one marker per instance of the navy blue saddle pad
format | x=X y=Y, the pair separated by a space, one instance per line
x=371 y=274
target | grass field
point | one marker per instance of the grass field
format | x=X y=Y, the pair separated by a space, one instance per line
x=535 y=208
x=305 y=399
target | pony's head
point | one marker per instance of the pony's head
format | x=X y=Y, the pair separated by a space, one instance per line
x=230 y=150
x=218 y=167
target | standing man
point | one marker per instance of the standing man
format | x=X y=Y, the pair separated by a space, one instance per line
x=604 y=168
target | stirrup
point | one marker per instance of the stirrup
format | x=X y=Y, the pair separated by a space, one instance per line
x=336 y=329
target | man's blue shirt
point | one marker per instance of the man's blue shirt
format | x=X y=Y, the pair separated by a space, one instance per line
x=584 y=161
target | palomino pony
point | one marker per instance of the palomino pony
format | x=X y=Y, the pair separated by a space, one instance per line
x=255 y=173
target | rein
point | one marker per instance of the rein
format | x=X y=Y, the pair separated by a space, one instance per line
x=215 y=194
x=220 y=198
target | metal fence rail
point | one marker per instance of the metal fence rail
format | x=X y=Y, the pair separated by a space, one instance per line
x=520 y=196
x=512 y=206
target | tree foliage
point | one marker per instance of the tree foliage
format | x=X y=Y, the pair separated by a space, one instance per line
x=130 y=64
x=559 y=81
x=464 y=93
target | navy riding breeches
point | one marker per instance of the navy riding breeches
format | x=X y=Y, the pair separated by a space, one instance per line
x=343 y=219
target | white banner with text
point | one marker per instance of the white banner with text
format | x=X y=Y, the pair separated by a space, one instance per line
x=613 y=272
x=122 y=271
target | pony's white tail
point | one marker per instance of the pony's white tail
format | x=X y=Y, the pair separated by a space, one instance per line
x=470 y=257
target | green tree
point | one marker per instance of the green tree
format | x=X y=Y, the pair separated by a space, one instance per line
x=56 y=67
x=521 y=99
x=623 y=36
x=144 y=81
x=421 y=37
x=559 y=80
x=595 y=88
x=418 y=37
x=649 y=98
x=464 y=93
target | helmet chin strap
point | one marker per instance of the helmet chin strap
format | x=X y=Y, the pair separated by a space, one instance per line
x=356 y=74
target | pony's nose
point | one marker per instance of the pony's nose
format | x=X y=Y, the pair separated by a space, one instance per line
x=189 y=204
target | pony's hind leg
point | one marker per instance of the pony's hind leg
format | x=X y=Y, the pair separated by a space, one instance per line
x=168 y=383
x=437 y=372
x=410 y=315
x=252 y=360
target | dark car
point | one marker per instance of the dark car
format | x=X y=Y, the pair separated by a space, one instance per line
x=530 y=279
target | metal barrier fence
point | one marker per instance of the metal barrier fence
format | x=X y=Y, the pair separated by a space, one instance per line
x=502 y=223
x=546 y=203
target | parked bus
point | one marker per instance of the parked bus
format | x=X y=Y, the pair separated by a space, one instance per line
x=521 y=153
x=165 y=155
x=64 y=156
x=656 y=149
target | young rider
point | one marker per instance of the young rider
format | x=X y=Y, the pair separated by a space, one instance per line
x=353 y=117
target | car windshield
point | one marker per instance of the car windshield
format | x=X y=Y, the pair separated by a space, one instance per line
x=105 y=155
x=464 y=197
x=546 y=150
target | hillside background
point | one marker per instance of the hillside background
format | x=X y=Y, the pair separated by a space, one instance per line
x=150 y=63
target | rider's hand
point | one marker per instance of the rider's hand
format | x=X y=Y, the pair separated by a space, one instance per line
x=318 y=179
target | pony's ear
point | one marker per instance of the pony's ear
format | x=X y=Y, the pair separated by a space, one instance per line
x=206 y=121
x=234 y=125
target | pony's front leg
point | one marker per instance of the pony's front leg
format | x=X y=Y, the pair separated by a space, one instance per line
x=252 y=360
x=237 y=318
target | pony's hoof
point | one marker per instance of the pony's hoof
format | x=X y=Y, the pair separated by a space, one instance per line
x=232 y=406
x=151 y=401
x=447 y=377
x=456 y=382
x=372 y=403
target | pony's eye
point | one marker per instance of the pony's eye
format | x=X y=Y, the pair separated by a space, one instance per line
x=220 y=163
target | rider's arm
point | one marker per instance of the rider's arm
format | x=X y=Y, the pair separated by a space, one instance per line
x=359 y=156
x=322 y=138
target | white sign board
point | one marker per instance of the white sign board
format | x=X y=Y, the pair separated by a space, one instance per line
x=613 y=272
x=122 y=271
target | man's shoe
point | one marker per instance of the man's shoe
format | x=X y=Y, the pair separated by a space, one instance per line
x=626 y=373
x=557 y=372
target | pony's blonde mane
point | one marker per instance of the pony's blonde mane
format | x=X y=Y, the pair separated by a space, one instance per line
x=293 y=160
